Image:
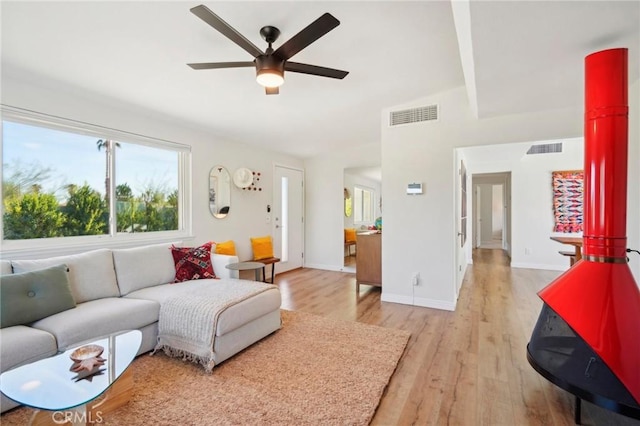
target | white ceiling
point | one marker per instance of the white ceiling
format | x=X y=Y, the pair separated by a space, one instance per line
x=526 y=56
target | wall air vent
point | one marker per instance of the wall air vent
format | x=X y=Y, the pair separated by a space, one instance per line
x=413 y=115
x=545 y=148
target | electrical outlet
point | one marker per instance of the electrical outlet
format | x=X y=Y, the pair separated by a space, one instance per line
x=415 y=280
x=527 y=250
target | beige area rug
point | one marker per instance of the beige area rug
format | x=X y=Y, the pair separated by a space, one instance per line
x=314 y=371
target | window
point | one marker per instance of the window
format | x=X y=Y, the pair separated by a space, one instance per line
x=362 y=205
x=62 y=180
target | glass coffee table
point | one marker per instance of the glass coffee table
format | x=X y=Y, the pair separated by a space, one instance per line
x=247 y=266
x=59 y=394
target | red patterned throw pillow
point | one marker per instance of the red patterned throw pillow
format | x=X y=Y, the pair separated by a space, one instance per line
x=192 y=263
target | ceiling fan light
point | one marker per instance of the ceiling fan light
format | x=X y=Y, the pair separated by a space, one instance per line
x=270 y=78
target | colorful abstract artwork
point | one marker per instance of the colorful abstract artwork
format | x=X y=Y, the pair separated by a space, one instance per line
x=567 y=200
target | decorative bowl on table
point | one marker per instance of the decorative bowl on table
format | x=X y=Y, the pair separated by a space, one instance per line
x=86 y=352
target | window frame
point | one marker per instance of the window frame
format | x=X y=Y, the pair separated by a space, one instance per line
x=357 y=208
x=47 y=246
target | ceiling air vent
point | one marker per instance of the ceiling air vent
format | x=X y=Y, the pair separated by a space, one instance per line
x=413 y=115
x=545 y=148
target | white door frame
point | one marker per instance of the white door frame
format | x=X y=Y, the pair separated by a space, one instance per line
x=274 y=224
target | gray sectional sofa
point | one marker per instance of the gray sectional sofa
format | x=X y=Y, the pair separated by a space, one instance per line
x=123 y=289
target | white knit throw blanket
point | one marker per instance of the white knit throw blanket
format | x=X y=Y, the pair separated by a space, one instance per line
x=187 y=324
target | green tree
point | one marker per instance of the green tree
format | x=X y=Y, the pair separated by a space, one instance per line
x=153 y=200
x=32 y=215
x=125 y=208
x=170 y=212
x=84 y=212
x=21 y=178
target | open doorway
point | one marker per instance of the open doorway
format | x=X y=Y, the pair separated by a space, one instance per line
x=492 y=211
x=362 y=206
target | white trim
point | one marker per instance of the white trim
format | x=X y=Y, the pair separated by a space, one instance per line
x=418 y=301
x=324 y=267
x=277 y=165
x=26 y=116
x=396 y=298
x=435 y=304
x=373 y=208
x=49 y=250
x=30 y=248
x=539 y=266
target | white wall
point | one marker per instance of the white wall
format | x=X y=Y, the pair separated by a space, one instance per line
x=532 y=199
x=248 y=209
x=325 y=200
x=419 y=232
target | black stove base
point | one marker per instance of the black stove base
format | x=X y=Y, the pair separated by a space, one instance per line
x=583 y=394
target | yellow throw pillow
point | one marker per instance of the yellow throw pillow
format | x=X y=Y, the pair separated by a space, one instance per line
x=350 y=234
x=227 y=247
x=262 y=247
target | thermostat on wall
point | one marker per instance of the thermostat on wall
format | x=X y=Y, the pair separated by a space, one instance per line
x=414 y=188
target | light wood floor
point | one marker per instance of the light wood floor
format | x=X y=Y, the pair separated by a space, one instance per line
x=466 y=367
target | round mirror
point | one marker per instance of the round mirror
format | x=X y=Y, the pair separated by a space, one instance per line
x=219 y=192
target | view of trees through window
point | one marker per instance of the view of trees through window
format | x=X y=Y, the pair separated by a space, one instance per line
x=57 y=184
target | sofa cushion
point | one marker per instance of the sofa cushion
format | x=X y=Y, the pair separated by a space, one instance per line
x=97 y=318
x=22 y=345
x=91 y=274
x=219 y=263
x=30 y=296
x=141 y=267
x=5 y=267
x=192 y=263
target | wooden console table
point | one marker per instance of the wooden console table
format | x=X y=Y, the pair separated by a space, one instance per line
x=369 y=259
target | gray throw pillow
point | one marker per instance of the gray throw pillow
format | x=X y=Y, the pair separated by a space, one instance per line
x=30 y=296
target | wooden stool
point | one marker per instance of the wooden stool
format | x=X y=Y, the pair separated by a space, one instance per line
x=570 y=254
x=348 y=245
x=270 y=261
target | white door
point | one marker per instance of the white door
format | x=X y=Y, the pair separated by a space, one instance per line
x=288 y=218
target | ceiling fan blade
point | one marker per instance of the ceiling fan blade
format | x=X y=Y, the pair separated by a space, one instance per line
x=271 y=90
x=308 y=35
x=315 y=70
x=215 y=65
x=204 y=13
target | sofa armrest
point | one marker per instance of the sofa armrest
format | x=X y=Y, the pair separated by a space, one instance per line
x=219 y=261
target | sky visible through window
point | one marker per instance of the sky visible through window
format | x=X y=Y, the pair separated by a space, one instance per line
x=75 y=159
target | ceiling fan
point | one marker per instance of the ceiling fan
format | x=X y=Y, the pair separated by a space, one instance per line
x=271 y=64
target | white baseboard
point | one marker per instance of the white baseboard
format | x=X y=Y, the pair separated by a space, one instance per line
x=396 y=298
x=324 y=267
x=418 y=301
x=435 y=304
x=538 y=266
